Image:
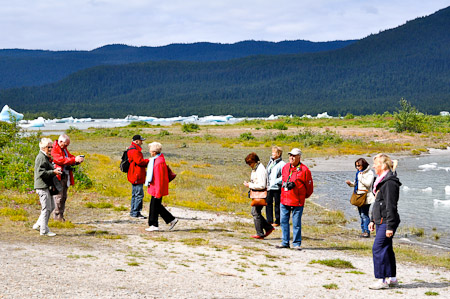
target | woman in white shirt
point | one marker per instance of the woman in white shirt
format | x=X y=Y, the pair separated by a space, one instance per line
x=258 y=183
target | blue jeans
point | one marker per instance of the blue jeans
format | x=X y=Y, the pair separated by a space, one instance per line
x=384 y=264
x=137 y=195
x=296 y=225
x=365 y=219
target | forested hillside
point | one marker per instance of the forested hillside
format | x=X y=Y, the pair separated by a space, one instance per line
x=20 y=68
x=371 y=75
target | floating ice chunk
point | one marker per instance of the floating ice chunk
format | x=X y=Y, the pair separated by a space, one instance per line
x=428 y=190
x=7 y=112
x=441 y=202
x=447 y=190
x=444 y=168
x=215 y=119
x=37 y=123
x=429 y=166
x=323 y=115
x=406 y=188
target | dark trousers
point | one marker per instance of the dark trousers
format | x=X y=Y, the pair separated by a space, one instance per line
x=156 y=209
x=60 y=198
x=273 y=196
x=261 y=223
x=383 y=254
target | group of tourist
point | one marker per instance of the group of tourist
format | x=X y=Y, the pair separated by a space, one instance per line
x=287 y=185
x=281 y=187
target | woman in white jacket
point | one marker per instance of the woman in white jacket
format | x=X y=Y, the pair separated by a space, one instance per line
x=258 y=182
x=363 y=184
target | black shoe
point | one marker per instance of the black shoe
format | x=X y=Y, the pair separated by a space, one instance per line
x=282 y=246
x=140 y=216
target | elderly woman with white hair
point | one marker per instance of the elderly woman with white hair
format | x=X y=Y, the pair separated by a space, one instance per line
x=44 y=172
x=157 y=180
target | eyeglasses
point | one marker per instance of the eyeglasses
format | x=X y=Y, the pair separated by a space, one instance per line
x=49 y=146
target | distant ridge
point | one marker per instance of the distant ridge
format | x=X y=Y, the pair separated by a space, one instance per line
x=37 y=67
x=371 y=75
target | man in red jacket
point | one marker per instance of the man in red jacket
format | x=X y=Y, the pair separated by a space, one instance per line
x=64 y=161
x=136 y=175
x=297 y=185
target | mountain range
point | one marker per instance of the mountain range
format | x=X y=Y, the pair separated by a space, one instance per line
x=20 y=67
x=371 y=75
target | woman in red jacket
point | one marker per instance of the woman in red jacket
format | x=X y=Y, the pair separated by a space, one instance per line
x=157 y=181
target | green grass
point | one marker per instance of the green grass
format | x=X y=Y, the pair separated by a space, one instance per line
x=430 y=293
x=331 y=286
x=195 y=241
x=335 y=263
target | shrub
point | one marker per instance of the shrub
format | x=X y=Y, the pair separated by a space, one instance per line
x=187 y=128
x=246 y=136
x=139 y=124
x=408 y=118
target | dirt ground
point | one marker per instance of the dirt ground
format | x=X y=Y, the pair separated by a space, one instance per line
x=205 y=256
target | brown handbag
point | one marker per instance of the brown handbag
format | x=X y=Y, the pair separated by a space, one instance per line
x=258 y=197
x=358 y=199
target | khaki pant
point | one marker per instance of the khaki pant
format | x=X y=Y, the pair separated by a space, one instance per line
x=60 y=199
x=47 y=206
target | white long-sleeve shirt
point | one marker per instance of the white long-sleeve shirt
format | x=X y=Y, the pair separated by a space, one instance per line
x=258 y=178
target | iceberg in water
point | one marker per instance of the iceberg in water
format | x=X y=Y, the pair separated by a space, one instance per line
x=447 y=190
x=7 y=112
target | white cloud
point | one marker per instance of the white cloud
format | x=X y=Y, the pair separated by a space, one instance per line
x=87 y=24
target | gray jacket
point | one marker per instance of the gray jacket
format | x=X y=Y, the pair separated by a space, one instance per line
x=43 y=171
x=274 y=174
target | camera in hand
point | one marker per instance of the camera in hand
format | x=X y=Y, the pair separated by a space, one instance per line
x=288 y=185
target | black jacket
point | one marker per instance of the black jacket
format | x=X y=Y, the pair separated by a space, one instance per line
x=385 y=206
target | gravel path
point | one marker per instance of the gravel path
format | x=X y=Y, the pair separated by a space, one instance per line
x=166 y=265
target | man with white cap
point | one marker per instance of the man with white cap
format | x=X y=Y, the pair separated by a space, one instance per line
x=297 y=185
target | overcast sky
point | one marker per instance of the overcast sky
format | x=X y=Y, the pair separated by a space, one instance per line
x=88 y=24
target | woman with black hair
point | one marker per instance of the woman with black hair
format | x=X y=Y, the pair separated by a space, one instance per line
x=363 y=185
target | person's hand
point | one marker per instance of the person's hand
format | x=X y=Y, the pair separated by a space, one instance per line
x=389 y=233
x=79 y=159
x=246 y=184
x=57 y=171
x=348 y=182
x=290 y=185
x=371 y=226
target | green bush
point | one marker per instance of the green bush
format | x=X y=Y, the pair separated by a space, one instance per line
x=408 y=118
x=139 y=124
x=187 y=128
x=246 y=136
x=17 y=156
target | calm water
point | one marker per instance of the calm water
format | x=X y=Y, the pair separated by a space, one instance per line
x=424 y=194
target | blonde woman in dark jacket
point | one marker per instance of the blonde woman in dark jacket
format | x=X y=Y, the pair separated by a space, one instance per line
x=386 y=219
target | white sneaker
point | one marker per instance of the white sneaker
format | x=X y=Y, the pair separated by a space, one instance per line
x=152 y=228
x=172 y=223
x=392 y=282
x=36 y=226
x=48 y=234
x=379 y=285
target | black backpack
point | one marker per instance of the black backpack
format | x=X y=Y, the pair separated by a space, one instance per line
x=124 y=163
